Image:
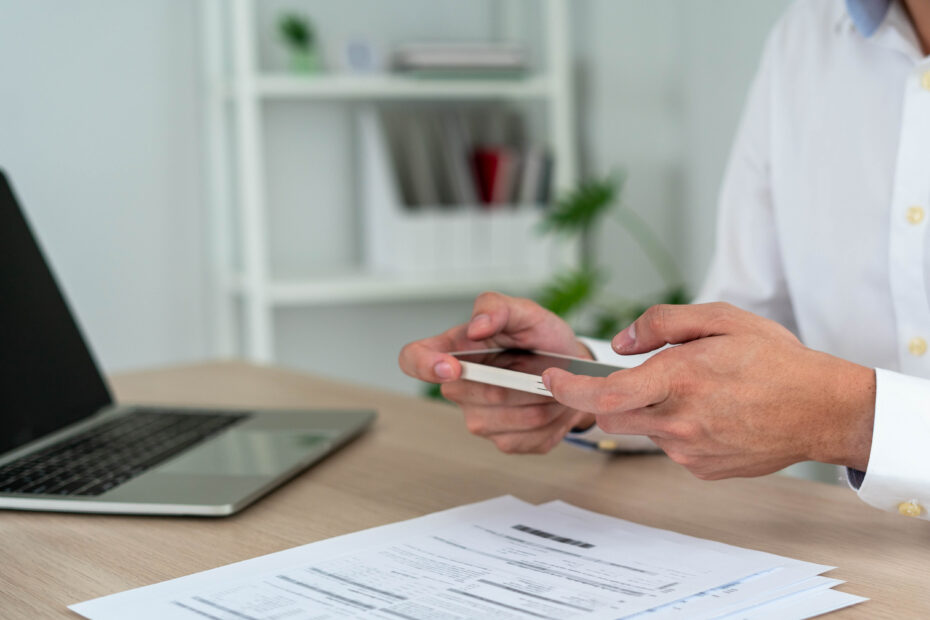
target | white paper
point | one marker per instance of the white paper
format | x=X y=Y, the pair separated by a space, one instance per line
x=792 y=585
x=801 y=606
x=502 y=558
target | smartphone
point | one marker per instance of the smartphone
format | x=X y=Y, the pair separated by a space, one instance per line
x=522 y=370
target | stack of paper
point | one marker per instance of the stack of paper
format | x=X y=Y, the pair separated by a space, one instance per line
x=502 y=559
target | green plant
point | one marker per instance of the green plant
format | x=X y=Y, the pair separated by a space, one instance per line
x=297 y=32
x=578 y=295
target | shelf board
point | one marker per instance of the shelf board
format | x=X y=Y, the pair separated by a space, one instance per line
x=381 y=87
x=369 y=288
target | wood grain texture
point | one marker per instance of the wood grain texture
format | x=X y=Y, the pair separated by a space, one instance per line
x=418 y=459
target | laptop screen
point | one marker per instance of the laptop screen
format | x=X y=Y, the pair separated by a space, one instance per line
x=48 y=378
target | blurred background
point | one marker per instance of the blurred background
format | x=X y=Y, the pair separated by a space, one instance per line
x=314 y=184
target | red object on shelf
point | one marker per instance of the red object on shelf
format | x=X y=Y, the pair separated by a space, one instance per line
x=495 y=174
x=486 y=162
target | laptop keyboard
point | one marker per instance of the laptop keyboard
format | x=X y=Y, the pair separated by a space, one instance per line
x=109 y=454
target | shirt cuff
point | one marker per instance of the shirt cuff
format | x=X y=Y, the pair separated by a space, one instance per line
x=594 y=437
x=898 y=476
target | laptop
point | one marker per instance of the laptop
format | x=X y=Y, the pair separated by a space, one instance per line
x=65 y=445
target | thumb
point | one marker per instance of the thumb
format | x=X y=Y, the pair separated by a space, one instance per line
x=669 y=324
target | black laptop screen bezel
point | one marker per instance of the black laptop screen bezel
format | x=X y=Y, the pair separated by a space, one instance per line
x=48 y=377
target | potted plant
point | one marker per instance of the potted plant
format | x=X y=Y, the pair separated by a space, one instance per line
x=299 y=37
x=578 y=295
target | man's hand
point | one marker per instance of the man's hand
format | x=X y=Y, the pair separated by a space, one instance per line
x=514 y=421
x=740 y=396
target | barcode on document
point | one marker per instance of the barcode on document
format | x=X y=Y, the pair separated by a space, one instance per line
x=550 y=536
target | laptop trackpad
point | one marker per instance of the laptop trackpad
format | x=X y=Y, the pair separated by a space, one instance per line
x=249 y=452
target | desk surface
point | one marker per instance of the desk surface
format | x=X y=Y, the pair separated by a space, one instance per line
x=418 y=459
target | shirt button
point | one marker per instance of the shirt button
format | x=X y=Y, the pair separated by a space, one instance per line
x=925 y=80
x=917 y=346
x=915 y=215
x=910 y=509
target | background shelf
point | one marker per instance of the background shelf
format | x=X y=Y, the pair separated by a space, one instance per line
x=369 y=288
x=387 y=87
x=241 y=129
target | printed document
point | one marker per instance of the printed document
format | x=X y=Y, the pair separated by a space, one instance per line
x=503 y=559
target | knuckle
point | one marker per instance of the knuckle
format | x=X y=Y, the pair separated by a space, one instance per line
x=657 y=317
x=552 y=442
x=507 y=444
x=680 y=383
x=476 y=425
x=607 y=423
x=487 y=298
x=682 y=429
x=407 y=359
x=452 y=391
x=682 y=458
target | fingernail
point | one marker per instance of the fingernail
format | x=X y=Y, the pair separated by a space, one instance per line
x=480 y=320
x=625 y=338
x=546 y=381
x=443 y=370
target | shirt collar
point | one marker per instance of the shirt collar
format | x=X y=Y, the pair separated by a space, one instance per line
x=867 y=15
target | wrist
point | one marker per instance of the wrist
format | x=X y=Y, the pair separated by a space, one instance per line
x=847 y=415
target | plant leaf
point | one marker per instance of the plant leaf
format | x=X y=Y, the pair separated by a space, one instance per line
x=581 y=207
x=433 y=391
x=296 y=31
x=568 y=291
x=676 y=295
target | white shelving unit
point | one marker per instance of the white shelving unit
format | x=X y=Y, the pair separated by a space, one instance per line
x=237 y=91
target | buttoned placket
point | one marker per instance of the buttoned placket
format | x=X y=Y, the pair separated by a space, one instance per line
x=908 y=230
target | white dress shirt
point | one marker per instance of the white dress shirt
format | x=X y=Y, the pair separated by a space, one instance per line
x=823 y=217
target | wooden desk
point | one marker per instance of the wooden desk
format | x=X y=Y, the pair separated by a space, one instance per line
x=418 y=459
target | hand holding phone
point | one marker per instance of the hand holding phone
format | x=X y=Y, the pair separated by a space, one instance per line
x=520 y=369
x=515 y=421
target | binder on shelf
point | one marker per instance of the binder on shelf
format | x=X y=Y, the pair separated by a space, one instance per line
x=465 y=241
x=454 y=149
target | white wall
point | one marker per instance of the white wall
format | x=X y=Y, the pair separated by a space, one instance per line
x=100 y=129
x=100 y=134
x=721 y=49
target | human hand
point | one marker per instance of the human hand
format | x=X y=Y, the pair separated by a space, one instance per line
x=740 y=396
x=517 y=422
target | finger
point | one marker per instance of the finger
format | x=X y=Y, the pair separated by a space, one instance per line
x=669 y=324
x=428 y=359
x=489 y=421
x=649 y=421
x=625 y=390
x=495 y=313
x=480 y=394
x=538 y=441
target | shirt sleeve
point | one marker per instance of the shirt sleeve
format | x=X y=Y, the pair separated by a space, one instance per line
x=898 y=476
